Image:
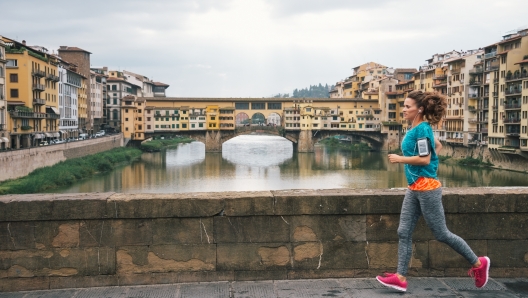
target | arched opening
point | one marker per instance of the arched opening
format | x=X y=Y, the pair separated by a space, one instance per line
x=274 y=119
x=242 y=119
x=258 y=119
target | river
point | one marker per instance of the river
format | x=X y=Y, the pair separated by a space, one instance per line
x=256 y=162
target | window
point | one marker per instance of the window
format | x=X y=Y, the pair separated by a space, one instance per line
x=14 y=93
x=242 y=105
x=148 y=126
x=258 y=106
x=115 y=100
x=12 y=63
x=274 y=106
x=126 y=119
x=184 y=125
x=13 y=78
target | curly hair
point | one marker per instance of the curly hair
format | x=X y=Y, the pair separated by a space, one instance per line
x=434 y=105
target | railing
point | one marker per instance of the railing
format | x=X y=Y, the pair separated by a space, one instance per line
x=475 y=82
x=513 y=91
x=39 y=101
x=455 y=71
x=476 y=70
x=483 y=120
x=39 y=87
x=516 y=76
x=490 y=55
x=52 y=116
x=472 y=120
x=491 y=68
x=494 y=121
x=495 y=80
x=39 y=73
x=472 y=109
x=20 y=114
x=486 y=94
x=512 y=120
x=512 y=106
x=473 y=95
x=439 y=76
x=483 y=130
x=495 y=93
x=53 y=78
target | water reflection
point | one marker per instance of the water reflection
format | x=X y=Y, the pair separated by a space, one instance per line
x=269 y=163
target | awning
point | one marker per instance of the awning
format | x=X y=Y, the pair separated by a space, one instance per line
x=49 y=134
x=38 y=136
x=15 y=103
x=56 y=134
x=4 y=140
x=53 y=110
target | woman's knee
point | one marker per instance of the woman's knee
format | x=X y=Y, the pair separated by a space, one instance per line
x=442 y=236
x=404 y=233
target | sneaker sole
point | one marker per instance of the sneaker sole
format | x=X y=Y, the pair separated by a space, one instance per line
x=487 y=272
x=392 y=286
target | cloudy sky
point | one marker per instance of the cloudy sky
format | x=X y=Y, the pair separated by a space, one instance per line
x=257 y=48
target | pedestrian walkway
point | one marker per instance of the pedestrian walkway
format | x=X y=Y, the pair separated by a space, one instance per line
x=345 y=287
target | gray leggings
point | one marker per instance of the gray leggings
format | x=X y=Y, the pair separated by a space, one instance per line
x=428 y=204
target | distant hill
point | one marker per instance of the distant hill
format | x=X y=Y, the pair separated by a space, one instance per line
x=315 y=91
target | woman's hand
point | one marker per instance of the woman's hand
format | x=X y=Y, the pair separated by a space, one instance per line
x=395 y=158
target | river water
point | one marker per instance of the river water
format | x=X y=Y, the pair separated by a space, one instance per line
x=256 y=162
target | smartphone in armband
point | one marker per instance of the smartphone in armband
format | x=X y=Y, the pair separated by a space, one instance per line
x=424 y=148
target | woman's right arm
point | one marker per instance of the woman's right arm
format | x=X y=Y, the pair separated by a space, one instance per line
x=438 y=146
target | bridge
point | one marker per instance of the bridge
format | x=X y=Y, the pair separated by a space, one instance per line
x=303 y=141
x=214 y=121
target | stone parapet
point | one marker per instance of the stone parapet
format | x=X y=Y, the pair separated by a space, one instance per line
x=102 y=239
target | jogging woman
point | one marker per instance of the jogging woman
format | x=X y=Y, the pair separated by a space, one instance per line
x=424 y=193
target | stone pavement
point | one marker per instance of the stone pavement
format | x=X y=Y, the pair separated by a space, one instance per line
x=344 y=287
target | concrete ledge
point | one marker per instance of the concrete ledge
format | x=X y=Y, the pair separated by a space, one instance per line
x=50 y=241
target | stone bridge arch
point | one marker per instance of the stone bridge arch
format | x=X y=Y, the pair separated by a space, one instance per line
x=374 y=138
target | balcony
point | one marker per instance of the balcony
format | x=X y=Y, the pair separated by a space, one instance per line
x=472 y=109
x=495 y=80
x=512 y=121
x=52 y=116
x=439 y=76
x=39 y=87
x=472 y=120
x=483 y=120
x=52 y=78
x=490 y=55
x=512 y=106
x=514 y=91
x=473 y=96
x=476 y=70
x=20 y=114
x=483 y=130
x=494 y=121
x=39 y=73
x=39 y=101
x=514 y=132
x=491 y=68
x=455 y=71
x=516 y=76
x=475 y=83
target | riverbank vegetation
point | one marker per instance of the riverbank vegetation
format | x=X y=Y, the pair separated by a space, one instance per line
x=474 y=162
x=69 y=171
x=158 y=144
x=336 y=144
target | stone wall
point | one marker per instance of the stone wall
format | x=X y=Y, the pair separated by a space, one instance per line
x=498 y=159
x=19 y=163
x=104 y=239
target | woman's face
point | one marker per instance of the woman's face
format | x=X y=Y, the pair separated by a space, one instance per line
x=410 y=109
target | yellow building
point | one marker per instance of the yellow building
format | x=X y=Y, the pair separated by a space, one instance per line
x=361 y=77
x=32 y=94
x=212 y=117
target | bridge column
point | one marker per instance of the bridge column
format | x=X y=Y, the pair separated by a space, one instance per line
x=213 y=141
x=305 y=143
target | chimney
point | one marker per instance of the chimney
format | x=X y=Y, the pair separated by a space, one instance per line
x=63 y=47
x=24 y=42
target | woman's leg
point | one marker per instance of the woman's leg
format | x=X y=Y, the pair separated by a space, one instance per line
x=410 y=213
x=433 y=212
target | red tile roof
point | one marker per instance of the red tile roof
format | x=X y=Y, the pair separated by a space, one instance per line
x=160 y=84
x=522 y=62
x=72 y=49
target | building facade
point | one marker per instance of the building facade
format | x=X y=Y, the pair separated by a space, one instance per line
x=4 y=132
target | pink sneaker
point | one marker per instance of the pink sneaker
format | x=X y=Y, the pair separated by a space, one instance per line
x=481 y=273
x=391 y=280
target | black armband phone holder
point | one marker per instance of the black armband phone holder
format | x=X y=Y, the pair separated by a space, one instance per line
x=424 y=146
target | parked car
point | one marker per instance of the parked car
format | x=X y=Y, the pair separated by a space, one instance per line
x=100 y=133
x=83 y=136
x=59 y=141
x=43 y=143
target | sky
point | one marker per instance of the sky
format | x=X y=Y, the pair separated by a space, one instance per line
x=258 y=48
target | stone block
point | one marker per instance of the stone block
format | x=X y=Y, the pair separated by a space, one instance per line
x=24 y=284
x=57 y=262
x=383 y=202
x=164 y=205
x=342 y=201
x=383 y=255
x=16 y=235
x=165 y=258
x=486 y=203
x=83 y=281
x=511 y=272
x=385 y=228
x=248 y=203
x=297 y=202
x=328 y=228
x=182 y=231
x=261 y=275
x=443 y=256
x=192 y=276
x=253 y=256
x=135 y=279
x=508 y=253
x=96 y=233
x=521 y=203
x=489 y=225
x=329 y=255
x=322 y=273
x=53 y=206
x=132 y=232
x=254 y=229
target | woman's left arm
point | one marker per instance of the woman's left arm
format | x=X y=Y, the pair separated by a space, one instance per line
x=410 y=160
